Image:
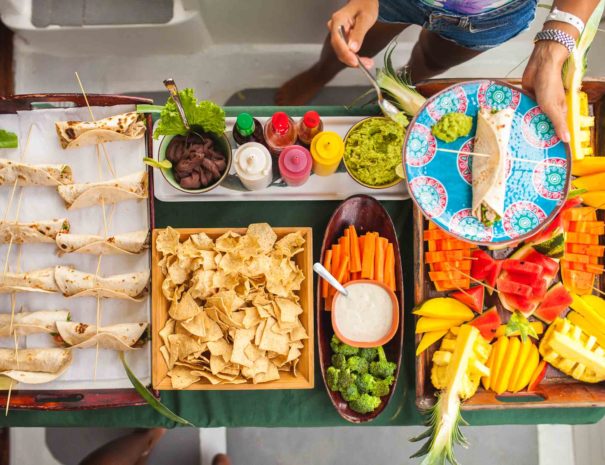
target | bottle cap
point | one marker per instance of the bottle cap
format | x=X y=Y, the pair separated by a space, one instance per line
x=280 y=122
x=327 y=147
x=245 y=124
x=311 y=119
x=295 y=160
x=252 y=159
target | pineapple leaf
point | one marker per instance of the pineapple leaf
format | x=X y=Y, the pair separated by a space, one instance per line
x=519 y=323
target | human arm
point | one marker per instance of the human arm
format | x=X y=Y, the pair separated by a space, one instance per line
x=357 y=17
x=542 y=75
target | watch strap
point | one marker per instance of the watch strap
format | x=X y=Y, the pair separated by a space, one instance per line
x=565 y=17
x=555 y=35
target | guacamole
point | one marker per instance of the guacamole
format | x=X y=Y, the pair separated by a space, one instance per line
x=452 y=126
x=373 y=151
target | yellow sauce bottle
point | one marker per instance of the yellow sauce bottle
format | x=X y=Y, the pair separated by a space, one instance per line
x=327 y=149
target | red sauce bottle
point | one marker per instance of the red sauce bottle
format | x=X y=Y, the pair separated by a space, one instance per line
x=308 y=127
x=280 y=131
x=248 y=129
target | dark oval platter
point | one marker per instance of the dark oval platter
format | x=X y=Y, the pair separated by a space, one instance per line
x=367 y=214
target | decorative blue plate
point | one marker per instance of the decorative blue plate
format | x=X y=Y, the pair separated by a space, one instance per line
x=440 y=182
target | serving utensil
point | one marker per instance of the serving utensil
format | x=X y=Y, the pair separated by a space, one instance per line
x=325 y=274
x=174 y=93
x=387 y=107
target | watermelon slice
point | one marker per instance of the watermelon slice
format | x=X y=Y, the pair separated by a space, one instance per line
x=529 y=254
x=526 y=270
x=556 y=300
x=487 y=323
x=492 y=274
x=551 y=230
x=539 y=288
x=513 y=302
x=482 y=263
x=474 y=298
x=507 y=285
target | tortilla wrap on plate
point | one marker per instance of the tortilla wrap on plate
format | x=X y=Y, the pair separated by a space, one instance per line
x=34 y=175
x=33 y=232
x=127 y=243
x=132 y=186
x=25 y=323
x=74 y=283
x=489 y=173
x=120 y=337
x=34 y=366
x=42 y=280
x=126 y=126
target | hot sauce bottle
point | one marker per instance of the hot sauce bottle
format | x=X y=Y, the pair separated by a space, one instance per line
x=248 y=129
x=280 y=132
x=308 y=127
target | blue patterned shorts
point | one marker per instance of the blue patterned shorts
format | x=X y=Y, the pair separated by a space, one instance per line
x=478 y=32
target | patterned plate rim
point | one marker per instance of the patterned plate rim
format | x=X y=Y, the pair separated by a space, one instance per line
x=512 y=240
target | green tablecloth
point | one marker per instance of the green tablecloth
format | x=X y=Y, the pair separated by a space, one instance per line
x=286 y=408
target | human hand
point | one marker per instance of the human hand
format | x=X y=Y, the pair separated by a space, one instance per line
x=357 y=17
x=542 y=77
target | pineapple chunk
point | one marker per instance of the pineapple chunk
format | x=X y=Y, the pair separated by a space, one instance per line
x=586 y=122
x=469 y=351
x=583 y=103
x=570 y=350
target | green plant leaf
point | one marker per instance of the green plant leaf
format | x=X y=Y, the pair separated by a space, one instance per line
x=519 y=323
x=8 y=140
x=150 y=398
x=149 y=108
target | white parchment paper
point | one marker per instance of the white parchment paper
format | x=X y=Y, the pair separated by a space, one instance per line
x=43 y=203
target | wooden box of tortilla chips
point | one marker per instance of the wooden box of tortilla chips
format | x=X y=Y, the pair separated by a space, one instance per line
x=232 y=308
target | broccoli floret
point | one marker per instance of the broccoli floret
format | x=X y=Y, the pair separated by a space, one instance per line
x=365 y=403
x=339 y=361
x=335 y=344
x=351 y=393
x=348 y=350
x=357 y=364
x=365 y=382
x=332 y=378
x=382 y=387
x=369 y=353
x=382 y=368
x=345 y=379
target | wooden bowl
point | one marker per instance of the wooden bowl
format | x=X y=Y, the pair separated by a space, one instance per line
x=367 y=214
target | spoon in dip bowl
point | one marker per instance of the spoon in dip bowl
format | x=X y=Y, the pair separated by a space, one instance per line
x=325 y=274
x=368 y=316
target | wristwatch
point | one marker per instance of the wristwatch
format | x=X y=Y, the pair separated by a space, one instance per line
x=555 y=35
x=564 y=17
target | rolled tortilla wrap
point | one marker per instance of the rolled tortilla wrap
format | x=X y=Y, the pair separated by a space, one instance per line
x=115 y=337
x=34 y=366
x=489 y=173
x=126 y=126
x=25 y=323
x=34 y=175
x=133 y=186
x=127 y=243
x=29 y=233
x=42 y=280
x=74 y=283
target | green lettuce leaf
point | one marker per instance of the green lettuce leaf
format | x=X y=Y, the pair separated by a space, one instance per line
x=205 y=114
x=8 y=140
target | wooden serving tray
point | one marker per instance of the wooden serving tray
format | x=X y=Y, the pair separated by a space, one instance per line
x=367 y=214
x=81 y=399
x=304 y=378
x=556 y=390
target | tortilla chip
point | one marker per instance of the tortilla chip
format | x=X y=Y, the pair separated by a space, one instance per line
x=240 y=341
x=182 y=377
x=289 y=310
x=209 y=376
x=167 y=241
x=196 y=325
x=264 y=235
x=219 y=347
x=272 y=341
x=272 y=374
x=167 y=330
x=185 y=309
x=227 y=242
x=217 y=363
x=291 y=244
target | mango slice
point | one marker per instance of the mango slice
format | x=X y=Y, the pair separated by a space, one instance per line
x=428 y=339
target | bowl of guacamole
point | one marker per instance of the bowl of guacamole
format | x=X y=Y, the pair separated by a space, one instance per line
x=373 y=151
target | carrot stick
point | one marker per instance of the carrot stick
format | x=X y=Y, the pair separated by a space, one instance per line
x=367 y=263
x=355 y=254
x=389 y=267
x=361 y=241
x=336 y=257
x=347 y=232
x=381 y=244
x=344 y=266
x=327 y=265
x=345 y=250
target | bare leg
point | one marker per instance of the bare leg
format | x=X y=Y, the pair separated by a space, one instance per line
x=304 y=86
x=128 y=450
x=433 y=55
